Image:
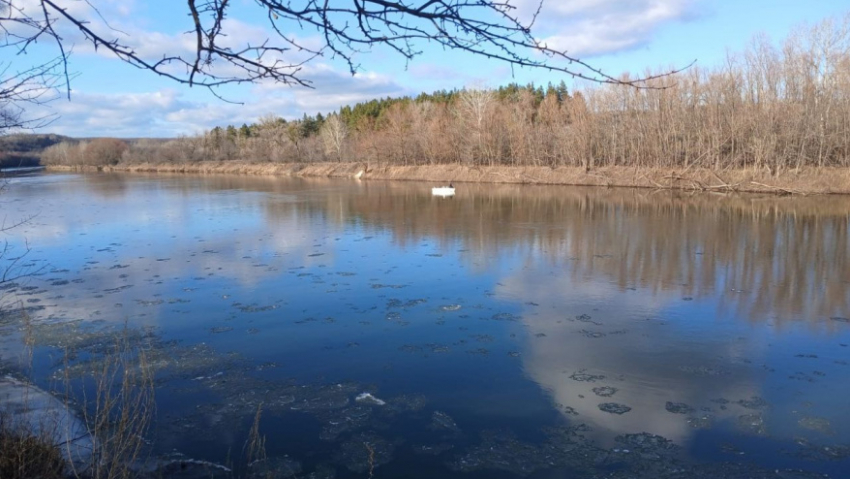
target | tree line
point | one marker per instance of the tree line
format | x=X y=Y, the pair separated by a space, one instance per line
x=770 y=107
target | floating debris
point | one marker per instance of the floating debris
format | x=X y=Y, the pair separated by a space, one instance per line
x=818 y=424
x=266 y=365
x=505 y=317
x=501 y=451
x=364 y=452
x=614 y=408
x=390 y=286
x=592 y=334
x=405 y=403
x=151 y=302
x=253 y=308
x=368 y=398
x=754 y=402
x=338 y=422
x=585 y=318
x=752 y=424
x=605 y=391
x=410 y=348
x=585 y=377
x=432 y=450
x=701 y=422
x=483 y=338
x=816 y=452
x=678 y=408
x=646 y=442
x=703 y=370
x=479 y=351
x=442 y=421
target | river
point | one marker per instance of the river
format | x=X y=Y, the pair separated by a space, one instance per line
x=509 y=331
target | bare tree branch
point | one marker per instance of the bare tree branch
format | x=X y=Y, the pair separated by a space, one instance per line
x=484 y=28
x=11 y=267
x=23 y=88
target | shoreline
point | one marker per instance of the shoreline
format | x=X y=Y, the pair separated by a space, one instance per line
x=806 y=181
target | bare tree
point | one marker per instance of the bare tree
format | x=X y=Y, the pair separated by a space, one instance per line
x=475 y=105
x=334 y=131
x=491 y=29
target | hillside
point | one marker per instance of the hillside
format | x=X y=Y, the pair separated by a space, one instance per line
x=24 y=149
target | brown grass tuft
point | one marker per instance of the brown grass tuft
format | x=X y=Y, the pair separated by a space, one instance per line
x=24 y=455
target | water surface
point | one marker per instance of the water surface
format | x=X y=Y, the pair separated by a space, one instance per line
x=510 y=331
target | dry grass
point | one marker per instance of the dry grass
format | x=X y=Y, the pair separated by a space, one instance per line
x=255 y=447
x=119 y=414
x=27 y=455
x=40 y=436
x=806 y=181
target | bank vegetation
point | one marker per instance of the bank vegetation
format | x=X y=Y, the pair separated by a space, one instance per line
x=771 y=110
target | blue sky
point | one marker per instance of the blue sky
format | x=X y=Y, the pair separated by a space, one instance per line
x=110 y=98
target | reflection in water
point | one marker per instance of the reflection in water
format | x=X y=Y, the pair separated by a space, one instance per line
x=586 y=352
x=714 y=321
x=782 y=255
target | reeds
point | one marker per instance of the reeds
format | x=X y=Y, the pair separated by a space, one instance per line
x=41 y=437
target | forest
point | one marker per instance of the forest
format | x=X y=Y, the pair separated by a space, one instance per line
x=772 y=107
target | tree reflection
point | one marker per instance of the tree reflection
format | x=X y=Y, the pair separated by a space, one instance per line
x=761 y=255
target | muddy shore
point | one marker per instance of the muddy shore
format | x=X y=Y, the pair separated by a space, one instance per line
x=803 y=182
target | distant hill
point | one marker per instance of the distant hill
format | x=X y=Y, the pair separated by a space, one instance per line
x=24 y=149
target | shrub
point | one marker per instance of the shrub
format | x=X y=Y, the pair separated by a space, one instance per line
x=26 y=456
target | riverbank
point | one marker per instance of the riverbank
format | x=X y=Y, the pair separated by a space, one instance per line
x=806 y=181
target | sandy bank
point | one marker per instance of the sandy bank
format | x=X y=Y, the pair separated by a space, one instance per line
x=805 y=181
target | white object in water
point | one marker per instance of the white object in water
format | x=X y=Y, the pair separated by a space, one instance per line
x=369 y=399
x=443 y=191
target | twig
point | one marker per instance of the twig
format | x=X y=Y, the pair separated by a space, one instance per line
x=785 y=190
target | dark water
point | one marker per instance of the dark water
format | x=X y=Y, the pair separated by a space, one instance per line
x=510 y=331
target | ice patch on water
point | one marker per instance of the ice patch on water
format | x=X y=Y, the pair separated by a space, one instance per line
x=368 y=398
x=202 y=378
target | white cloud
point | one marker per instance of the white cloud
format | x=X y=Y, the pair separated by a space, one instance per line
x=168 y=113
x=99 y=15
x=586 y=28
x=333 y=88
